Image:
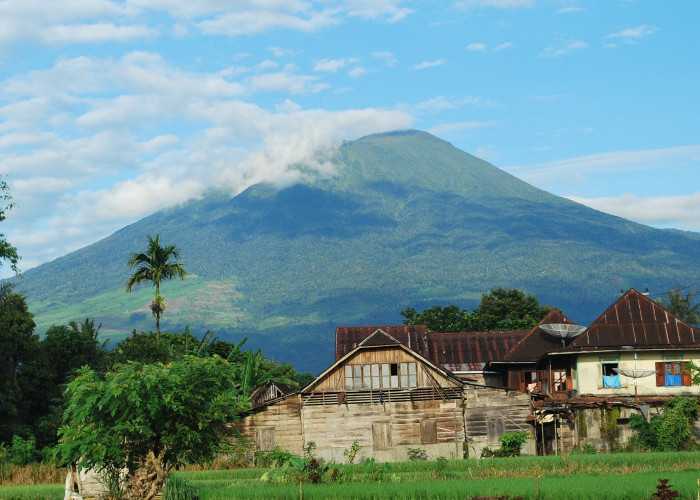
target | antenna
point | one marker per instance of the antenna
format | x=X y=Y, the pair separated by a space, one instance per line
x=563 y=330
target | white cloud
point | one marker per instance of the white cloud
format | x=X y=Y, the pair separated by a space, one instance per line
x=661 y=211
x=616 y=161
x=256 y=22
x=98 y=32
x=482 y=47
x=567 y=10
x=390 y=10
x=330 y=65
x=388 y=57
x=563 y=48
x=450 y=127
x=440 y=103
x=86 y=156
x=476 y=47
x=429 y=64
x=638 y=32
x=500 y=4
x=502 y=46
x=630 y=35
x=357 y=72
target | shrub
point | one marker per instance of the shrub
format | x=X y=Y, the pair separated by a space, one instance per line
x=352 y=452
x=511 y=445
x=415 y=454
x=670 y=431
x=271 y=458
x=23 y=451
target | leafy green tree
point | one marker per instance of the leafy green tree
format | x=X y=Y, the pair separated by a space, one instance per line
x=64 y=350
x=682 y=305
x=150 y=418
x=156 y=264
x=22 y=380
x=141 y=347
x=672 y=430
x=500 y=309
x=442 y=319
x=511 y=309
x=7 y=251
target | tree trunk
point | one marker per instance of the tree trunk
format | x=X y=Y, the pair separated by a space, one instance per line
x=147 y=481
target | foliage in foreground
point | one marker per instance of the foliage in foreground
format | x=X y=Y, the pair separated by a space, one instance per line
x=511 y=445
x=672 y=430
x=148 y=419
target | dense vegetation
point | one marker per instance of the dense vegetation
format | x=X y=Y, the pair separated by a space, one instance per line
x=408 y=222
x=499 y=309
x=601 y=477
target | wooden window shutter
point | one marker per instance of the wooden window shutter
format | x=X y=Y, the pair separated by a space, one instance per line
x=428 y=431
x=660 y=374
x=381 y=435
x=265 y=438
x=569 y=380
x=686 y=379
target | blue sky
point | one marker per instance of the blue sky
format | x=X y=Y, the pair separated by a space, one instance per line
x=111 y=110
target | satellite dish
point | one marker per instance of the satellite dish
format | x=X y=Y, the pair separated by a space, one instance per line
x=563 y=330
x=634 y=374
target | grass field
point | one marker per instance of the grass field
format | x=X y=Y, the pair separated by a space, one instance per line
x=615 y=477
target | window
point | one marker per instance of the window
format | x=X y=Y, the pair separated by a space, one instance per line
x=381 y=435
x=611 y=379
x=530 y=381
x=559 y=380
x=265 y=438
x=672 y=373
x=381 y=376
x=428 y=431
x=495 y=426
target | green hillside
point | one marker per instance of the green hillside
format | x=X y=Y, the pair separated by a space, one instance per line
x=408 y=220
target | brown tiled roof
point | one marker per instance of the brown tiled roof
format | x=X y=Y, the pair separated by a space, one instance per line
x=470 y=351
x=412 y=336
x=537 y=342
x=635 y=321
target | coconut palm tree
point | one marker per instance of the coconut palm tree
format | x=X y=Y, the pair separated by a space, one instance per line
x=682 y=306
x=156 y=264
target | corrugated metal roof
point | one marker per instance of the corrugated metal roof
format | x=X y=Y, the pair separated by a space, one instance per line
x=537 y=342
x=635 y=321
x=412 y=336
x=471 y=351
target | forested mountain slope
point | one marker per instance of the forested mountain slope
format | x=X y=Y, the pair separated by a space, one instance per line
x=409 y=220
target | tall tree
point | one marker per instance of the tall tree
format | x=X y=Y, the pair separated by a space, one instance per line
x=499 y=309
x=442 y=319
x=682 y=305
x=512 y=309
x=156 y=264
x=150 y=418
x=65 y=349
x=20 y=384
x=7 y=251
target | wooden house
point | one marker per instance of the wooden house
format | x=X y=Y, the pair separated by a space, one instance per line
x=388 y=398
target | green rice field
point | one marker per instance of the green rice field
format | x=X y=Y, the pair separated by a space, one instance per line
x=616 y=477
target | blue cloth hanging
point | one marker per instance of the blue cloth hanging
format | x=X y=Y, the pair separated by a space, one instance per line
x=612 y=381
x=673 y=380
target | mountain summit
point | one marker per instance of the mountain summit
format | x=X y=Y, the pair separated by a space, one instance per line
x=408 y=220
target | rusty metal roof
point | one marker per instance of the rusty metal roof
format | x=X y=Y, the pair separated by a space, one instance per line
x=412 y=336
x=471 y=351
x=634 y=321
x=536 y=343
